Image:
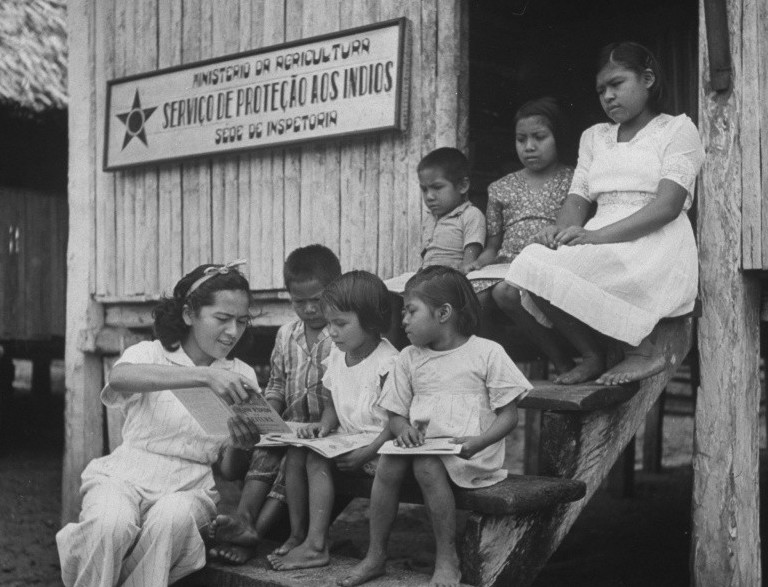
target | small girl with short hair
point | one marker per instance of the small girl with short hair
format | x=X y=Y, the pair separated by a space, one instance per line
x=448 y=383
x=357 y=309
x=635 y=262
x=519 y=206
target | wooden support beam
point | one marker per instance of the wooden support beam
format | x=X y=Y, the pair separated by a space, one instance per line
x=83 y=435
x=725 y=542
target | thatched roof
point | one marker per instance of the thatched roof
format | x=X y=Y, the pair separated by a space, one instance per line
x=33 y=54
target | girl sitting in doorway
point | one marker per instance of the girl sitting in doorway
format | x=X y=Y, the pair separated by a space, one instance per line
x=635 y=261
x=519 y=206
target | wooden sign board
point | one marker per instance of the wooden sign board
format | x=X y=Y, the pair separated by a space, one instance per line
x=340 y=84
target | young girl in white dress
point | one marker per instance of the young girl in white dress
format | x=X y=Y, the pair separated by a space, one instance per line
x=358 y=310
x=448 y=383
x=145 y=503
x=635 y=261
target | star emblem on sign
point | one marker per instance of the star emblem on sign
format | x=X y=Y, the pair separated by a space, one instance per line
x=134 y=121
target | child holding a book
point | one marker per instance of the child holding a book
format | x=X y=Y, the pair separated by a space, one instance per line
x=448 y=383
x=144 y=505
x=295 y=390
x=358 y=310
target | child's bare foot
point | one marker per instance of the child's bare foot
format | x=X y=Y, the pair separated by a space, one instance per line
x=301 y=557
x=590 y=366
x=288 y=545
x=562 y=364
x=233 y=554
x=634 y=367
x=446 y=573
x=234 y=528
x=364 y=571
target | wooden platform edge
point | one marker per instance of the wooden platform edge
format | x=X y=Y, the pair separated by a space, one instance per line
x=258 y=573
x=585 y=397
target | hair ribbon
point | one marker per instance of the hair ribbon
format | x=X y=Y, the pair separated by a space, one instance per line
x=216 y=270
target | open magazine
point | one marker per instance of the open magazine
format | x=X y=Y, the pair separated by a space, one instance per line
x=494 y=271
x=431 y=446
x=330 y=446
x=212 y=412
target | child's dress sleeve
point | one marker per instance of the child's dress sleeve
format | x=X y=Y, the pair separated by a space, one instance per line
x=580 y=182
x=505 y=382
x=683 y=155
x=397 y=394
x=494 y=218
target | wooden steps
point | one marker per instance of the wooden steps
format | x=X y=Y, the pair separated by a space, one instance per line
x=258 y=573
x=577 y=445
x=585 y=397
x=514 y=527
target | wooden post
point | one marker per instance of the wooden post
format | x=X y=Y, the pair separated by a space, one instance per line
x=84 y=419
x=726 y=530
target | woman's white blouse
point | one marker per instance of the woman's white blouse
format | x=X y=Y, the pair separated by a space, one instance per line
x=157 y=422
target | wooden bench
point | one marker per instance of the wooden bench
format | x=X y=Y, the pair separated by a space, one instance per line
x=519 y=498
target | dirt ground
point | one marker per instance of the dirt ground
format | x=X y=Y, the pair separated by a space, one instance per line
x=617 y=542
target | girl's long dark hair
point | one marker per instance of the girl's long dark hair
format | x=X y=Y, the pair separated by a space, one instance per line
x=169 y=326
x=437 y=285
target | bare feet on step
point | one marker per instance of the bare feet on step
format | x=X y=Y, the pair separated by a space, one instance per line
x=301 y=557
x=447 y=573
x=234 y=528
x=288 y=545
x=590 y=367
x=634 y=367
x=364 y=571
x=233 y=554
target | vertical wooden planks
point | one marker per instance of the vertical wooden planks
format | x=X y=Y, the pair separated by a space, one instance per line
x=83 y=414
x=192 y=171
x=146 y=232
x=170 y=214
x=725 y=537
x=205 y=189
x=762 y=76
x=225 y=40
x=751 y=188
x=291 y=171
x=411 y=145
x=358 y=163
x=104 y=69
x=245 y=204
x=448 y=53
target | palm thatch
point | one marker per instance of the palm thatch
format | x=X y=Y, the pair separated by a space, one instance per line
x=33 y=54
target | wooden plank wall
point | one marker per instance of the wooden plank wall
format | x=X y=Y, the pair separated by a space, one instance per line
x=33 y=246
x=358 y=196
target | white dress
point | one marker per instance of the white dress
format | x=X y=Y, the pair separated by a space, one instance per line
x=355 y=390
x=144 y=503
x=455 y=393
x=623 y=289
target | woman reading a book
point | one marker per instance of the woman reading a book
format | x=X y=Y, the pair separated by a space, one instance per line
x=145 y=504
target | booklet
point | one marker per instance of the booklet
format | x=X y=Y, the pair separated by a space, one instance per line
x=431 y=446
x=212 y=412
x=329 y=446
x=494 y=271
